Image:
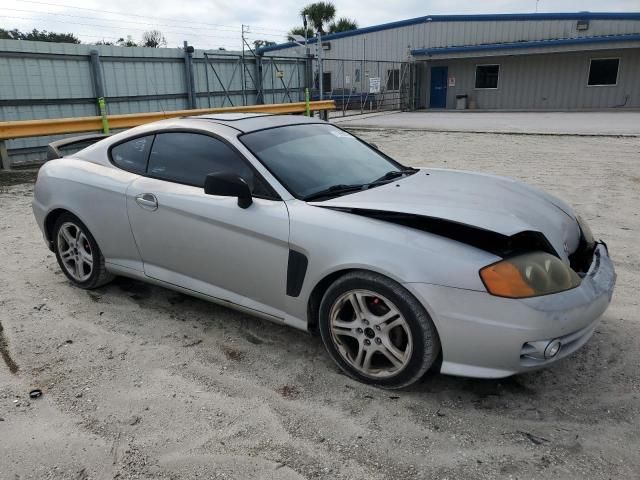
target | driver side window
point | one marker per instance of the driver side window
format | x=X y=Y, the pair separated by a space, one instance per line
x=187 y=158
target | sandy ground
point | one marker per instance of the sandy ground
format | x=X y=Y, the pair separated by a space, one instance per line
x=545 y=123
x=141 y=382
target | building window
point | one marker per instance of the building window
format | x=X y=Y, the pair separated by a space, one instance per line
x=393 y=79
x=603 y=71
x=326 y=82
x=356 y=77
x=487 y=76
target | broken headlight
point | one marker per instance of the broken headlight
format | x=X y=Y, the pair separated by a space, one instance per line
x=528 y=275
x=586 y=231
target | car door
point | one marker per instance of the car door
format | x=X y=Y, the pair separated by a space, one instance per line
x=207 y=243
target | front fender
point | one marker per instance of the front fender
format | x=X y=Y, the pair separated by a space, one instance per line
x=335 y=241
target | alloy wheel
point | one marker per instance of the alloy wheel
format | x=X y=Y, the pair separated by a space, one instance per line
x=370 y=333
x=75 y=251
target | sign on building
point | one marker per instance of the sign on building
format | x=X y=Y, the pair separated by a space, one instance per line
x=374 y=85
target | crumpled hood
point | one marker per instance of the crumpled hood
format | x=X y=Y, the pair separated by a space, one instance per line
x=484 y=201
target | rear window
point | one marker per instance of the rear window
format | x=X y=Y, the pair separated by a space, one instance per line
x=132 y=155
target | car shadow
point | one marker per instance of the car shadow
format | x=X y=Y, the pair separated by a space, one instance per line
x=537 y=388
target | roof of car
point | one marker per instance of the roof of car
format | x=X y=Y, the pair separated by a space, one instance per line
x=249 y=122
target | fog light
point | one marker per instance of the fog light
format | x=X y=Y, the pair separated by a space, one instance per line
x=552 y=349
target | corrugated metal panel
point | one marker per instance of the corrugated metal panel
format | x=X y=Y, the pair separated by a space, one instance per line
x=538 y=78
x=50 y=80
x=543 y=46
x=391 y=44
x=543 y=82
x=40 y=80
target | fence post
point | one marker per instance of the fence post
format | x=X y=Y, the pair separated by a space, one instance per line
x=98 y=87
x=5 y=163
x=320 y=67
x=188 y=74
x=258 y=81
x=308 y=72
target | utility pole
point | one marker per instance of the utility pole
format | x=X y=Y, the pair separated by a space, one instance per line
x=306 y=44
x=245 y=29
x=308 y=65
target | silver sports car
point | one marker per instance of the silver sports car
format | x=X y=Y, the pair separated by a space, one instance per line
x=297 y=221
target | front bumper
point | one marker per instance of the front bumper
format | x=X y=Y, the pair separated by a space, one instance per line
x=486 y=336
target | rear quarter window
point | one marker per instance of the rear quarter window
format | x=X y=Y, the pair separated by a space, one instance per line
x=132 y=155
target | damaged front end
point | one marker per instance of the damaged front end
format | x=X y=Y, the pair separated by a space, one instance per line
x=582 y=257
x=530 y=265
x=492 y=242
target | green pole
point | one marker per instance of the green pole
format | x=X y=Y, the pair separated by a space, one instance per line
x=306 y=101
x=103 y=113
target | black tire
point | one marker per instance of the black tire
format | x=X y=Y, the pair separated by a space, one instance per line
x=99 y=275
x=424 y=337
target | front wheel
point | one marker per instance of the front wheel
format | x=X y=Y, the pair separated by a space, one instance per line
x=78 y=253
x=376 y=331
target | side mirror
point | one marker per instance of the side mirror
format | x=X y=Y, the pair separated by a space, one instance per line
x=229 y=185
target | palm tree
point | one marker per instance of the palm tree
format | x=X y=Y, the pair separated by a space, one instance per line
x=343 y=24
x=299 y=31
x=318 y=13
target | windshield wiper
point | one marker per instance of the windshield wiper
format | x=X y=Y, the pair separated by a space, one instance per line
x=334 y=190
x=394 y=174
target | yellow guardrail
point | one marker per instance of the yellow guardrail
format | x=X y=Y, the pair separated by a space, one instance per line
x=55 y=126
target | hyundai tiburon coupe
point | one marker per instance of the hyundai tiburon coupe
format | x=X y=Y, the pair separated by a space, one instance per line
x=297 y=221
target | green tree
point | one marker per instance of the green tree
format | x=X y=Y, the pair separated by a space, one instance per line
x=300 y=31
x=319 y=13
x=343 y=24
x=36 y=35
x=262 y=43
x=128 y=42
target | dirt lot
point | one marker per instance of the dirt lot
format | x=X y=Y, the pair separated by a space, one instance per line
x=141 y=382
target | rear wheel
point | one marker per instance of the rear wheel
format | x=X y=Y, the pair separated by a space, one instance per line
x=78 y=253
x=376 y=331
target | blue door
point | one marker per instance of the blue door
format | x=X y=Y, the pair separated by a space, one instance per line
x=438 y=98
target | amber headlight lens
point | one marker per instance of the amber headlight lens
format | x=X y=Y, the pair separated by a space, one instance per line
x=528 y=275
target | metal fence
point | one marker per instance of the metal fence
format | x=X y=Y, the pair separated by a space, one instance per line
x=360 y=86
x=228 y=80
x=41 y=80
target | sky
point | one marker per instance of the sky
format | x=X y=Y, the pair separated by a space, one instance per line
x=210 y=24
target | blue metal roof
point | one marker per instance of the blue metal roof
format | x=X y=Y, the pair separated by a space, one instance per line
x=526 y=44
x=464 y=18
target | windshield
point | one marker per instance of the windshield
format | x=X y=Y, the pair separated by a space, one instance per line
x=312 y=158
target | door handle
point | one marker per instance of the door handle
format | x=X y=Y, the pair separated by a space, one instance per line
x=147 y=201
